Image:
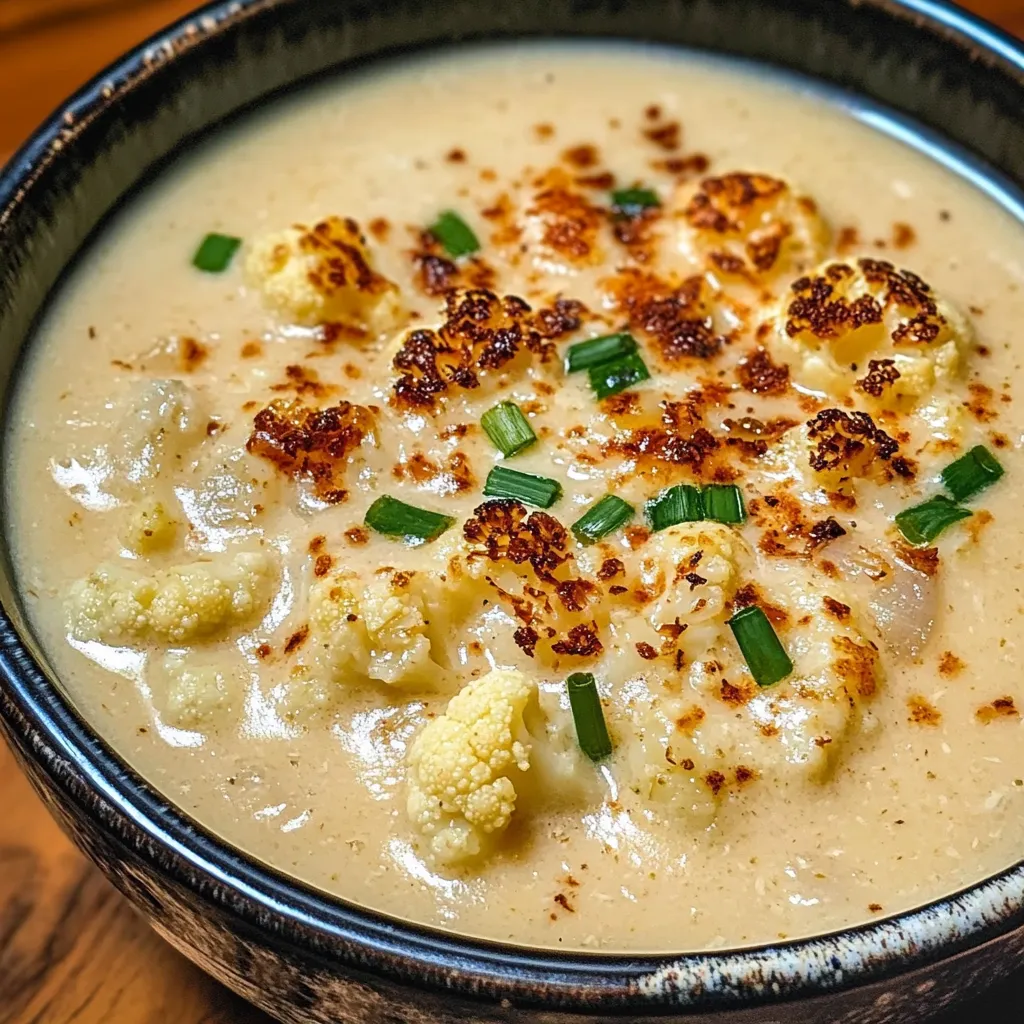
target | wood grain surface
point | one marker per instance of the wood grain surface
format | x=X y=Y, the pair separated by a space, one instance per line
x=71 y=950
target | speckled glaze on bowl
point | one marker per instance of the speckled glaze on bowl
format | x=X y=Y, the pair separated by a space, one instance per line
x=303 y=957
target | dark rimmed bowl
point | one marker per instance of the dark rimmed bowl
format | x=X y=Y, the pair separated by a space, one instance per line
x=285 y=947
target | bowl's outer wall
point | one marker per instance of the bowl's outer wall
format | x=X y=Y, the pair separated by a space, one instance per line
x=300 y=957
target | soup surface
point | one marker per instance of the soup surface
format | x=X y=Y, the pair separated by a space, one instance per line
x=812 y=706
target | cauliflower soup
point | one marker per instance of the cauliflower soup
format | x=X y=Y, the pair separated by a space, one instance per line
x=561 y=494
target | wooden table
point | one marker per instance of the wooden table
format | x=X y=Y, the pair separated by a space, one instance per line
x=71 y=950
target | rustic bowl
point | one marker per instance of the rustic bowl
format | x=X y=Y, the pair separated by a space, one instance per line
x=288 y=948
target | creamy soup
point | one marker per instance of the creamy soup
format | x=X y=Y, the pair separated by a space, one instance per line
x=534 y=369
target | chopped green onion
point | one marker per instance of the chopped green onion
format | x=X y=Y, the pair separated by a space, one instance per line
x=503 y=482
x=679 y=504
x=922 y=523
x=508 y=428
x=215 y=253
x=394 y=518
x=723 y=503
x=454 y=234
x=631 y=202
x=588 y=716
x=585 y=354
x=610 y=378
x=763 y=651
x=605 y=517
x=971 y=473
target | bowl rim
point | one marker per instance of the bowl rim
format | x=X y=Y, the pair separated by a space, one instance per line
x=47 y=730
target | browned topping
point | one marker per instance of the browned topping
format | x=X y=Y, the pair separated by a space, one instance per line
x=251 y=349
x=714 y=780
x=456 y=156
x=664 y=445
x=745 y=775
x=526 y=638
x=695 y=163
x=264 y=651
x=582 y=157
x=544 y=131
x=667 y=136
x=856 y=665
x=903 y=235
x=848 y=442
x=980 y=403
x=438 y=275
x=357 y=536
x=820 y=309
x=482 y=332
x=322 y=565
x=758 y=374
x=502 y=530
x=836 y=609
x=882 y=373
x=652 y=112
x=823 y=531
x=604 y=181
x=694 y=580
x=317 y=544
x=575 y=593
x=296 y=640
x=950 y=665
x=380 y=228
x=311 y=443
x=676 y=316
x=922 y=711
x=636 y=233
x=875 y=908
x=735 y=696
x=646 y=651
x=570 y=222
x=750 y=594
x=636 y=536
x=303 y=381
x=563 y=901
x=847 y=239
x=190 y=354
x=454 y=476
x=610 y=568
x=690 y=718
x=1001 y=707
x=924 y=560
x=581 y=642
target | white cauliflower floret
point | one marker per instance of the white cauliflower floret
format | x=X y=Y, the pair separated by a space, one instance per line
x=379 y=629
x=163 y=422
x=461 y=792
x=178 y=605
x=870 y=326
x=150 y=527
x=322 y=274
x=195 y=694
x=750 y=226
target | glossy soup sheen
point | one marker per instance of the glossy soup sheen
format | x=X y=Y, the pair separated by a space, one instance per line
x=195 y=561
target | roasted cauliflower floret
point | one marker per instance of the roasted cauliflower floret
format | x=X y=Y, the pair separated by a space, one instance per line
x=322 y=274
x=871 y=327
x=195 y=694
x=180 y=605
x=379 y=629
x=462 y=767
x=150 y=527
x=750 y=226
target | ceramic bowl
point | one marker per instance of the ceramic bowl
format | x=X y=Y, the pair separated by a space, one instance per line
x=948 y=82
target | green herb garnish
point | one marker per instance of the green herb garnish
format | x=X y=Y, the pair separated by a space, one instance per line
x=971 y=473
x=602 y=518
x=454 y=234
x=508 y=428
x=395 y=518
x=922 y=523
x=723 y=503
x=679 y=504
x=588 y=716
x=762 y=650
x=609 y=347
x=215 y=253
x=540 y=491
x=631 y=202
x=610 y=378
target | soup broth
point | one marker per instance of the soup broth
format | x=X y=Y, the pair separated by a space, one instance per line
x=811 y=704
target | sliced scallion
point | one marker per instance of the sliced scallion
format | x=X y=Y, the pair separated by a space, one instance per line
x=631 y=202
x=588 y=716
x=971 y=473
x=585 y=354
x=395 y=518
x=723 y=503
x=760 y=645
x=454 y=234
x=921 y=524
x=540 y=491
x=508 y=428
x=215 y=253
x=610 y=378
x=679 y=504
x=603 y=518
